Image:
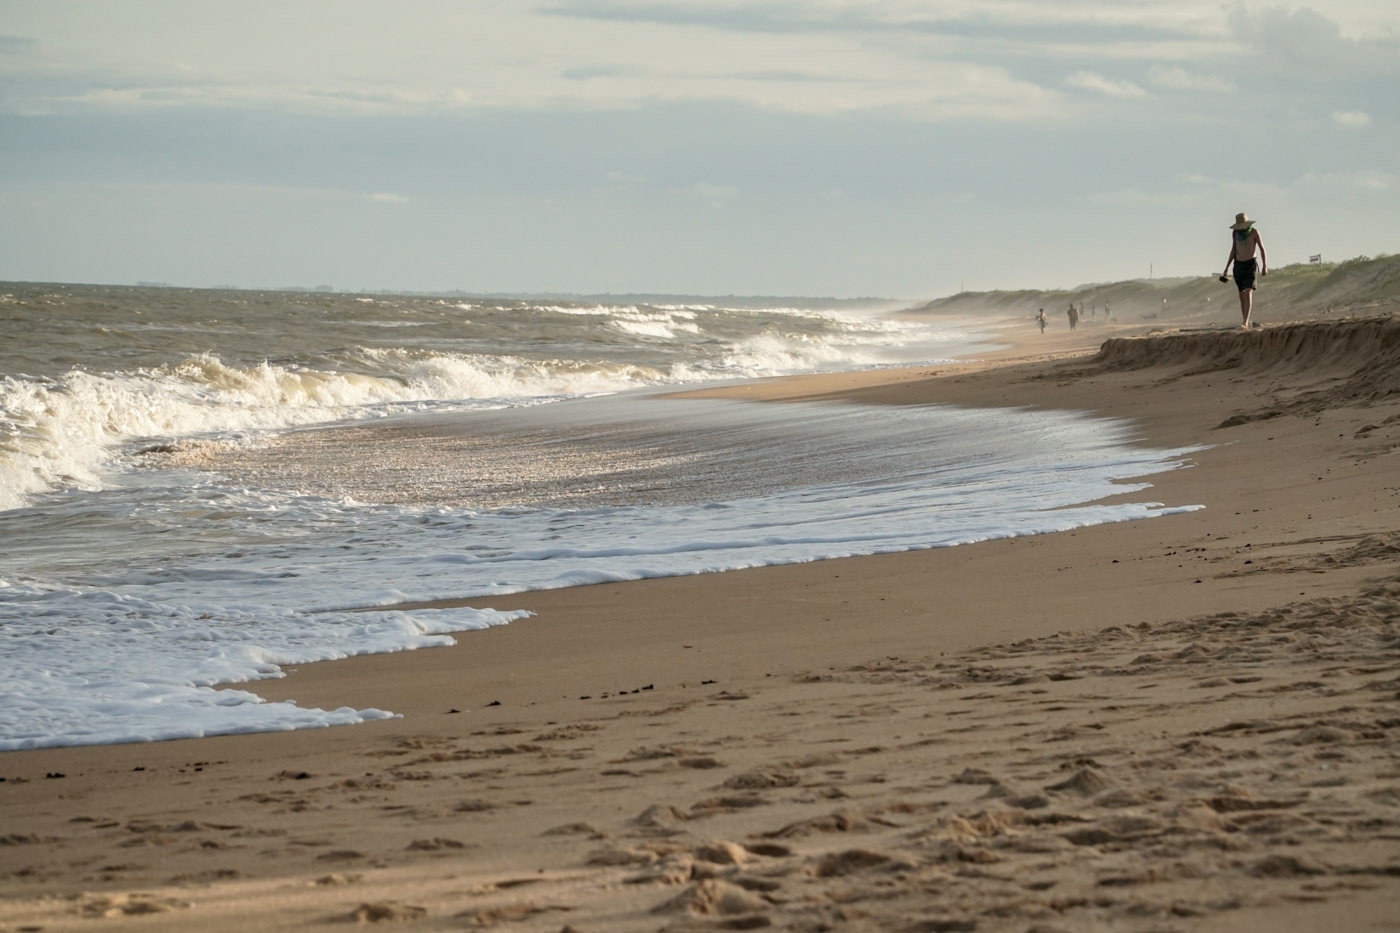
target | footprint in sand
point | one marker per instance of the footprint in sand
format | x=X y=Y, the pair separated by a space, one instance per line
x=730 y=804
x=660 y=820
x=841 y=821
x=387 y=911
x=130 y=905
x=856 y=861
x=716 y=898
x=1085 y=782
x=511 y=913
x=763 y=778
x=436 y=844
x=339 y=855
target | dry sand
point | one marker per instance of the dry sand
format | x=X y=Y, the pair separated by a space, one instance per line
x=1190 y=722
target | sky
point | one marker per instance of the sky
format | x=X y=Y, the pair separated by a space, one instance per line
x=839 y=148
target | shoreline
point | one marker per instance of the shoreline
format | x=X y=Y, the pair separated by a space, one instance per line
x=730 y=708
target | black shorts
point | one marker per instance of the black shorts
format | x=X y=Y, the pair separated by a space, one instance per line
x=1244 y=274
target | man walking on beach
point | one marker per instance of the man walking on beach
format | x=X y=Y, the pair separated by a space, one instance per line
x=1243 y=244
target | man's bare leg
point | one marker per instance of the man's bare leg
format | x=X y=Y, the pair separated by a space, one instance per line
x=1246 y=304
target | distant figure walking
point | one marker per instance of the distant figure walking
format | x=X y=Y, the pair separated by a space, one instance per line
x=1073 y=317
x=1244 y=243
x=1040 y=319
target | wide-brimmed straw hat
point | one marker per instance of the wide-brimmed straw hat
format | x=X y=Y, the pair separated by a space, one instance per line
x=1242 y=222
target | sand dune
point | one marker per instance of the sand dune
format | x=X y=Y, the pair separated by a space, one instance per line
x=1363 y=349
x=1357 y=287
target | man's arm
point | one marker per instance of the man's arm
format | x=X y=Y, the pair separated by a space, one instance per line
x=1263 y=260
x=1230 y=258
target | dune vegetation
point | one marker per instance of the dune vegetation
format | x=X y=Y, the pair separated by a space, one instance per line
x=1359 y=286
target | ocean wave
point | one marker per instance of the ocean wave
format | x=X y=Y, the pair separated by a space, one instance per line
x=67 y=432
x=63 y=433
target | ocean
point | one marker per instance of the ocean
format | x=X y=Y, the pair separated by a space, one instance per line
x=200 y=487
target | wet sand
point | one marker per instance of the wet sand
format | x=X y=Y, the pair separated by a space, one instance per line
x=1190 y=722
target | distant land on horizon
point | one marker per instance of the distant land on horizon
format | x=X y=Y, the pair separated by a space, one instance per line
x=1360 y=285
x=1359 y=279
x=652 y=298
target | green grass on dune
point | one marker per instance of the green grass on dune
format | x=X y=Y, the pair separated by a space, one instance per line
x=1356 y=286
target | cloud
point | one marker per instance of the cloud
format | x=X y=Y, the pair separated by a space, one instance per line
x=1303 y=40
x=791 y=74
x=1373 y=188
x=619 y=177
x=1092 y=81
x=984 y=61
x=602 y=57
x=1367 y=183
x=86 y=95
x=1179 y=79
x=1128 y=197
x=1352 y=119
x=249 y=190
x=714 y=195
x=13 y=45
x=1028 y=20
x=589 y=72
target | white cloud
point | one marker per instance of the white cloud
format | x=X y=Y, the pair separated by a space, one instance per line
x=15 y=45
x=922 y=60
x=1366 y=183
x=955 y=59
x=1374 y=187
x=1092 y=81
x=714 y=195
x=1303 y=40
x=1352 y=119
x=1128 y=197
x=619 y=177
x=210 y=191
x=1179 y=79
x=1106 y=19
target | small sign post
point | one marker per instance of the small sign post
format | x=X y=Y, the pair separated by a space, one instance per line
x=1316 y=260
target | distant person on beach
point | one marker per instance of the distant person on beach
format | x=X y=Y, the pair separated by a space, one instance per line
x=1106 y=315
x=1073 y=317
x=1040 y=319
x=1244 y=243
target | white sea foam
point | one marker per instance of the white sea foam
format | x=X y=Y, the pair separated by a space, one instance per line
x=64 y=431
x=195 y=581
x=664 y=323
x=93 y=666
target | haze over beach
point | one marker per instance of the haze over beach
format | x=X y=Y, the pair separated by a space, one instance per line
x=470 y=466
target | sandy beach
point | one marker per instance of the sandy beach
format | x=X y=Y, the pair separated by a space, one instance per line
x=1188 y=722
